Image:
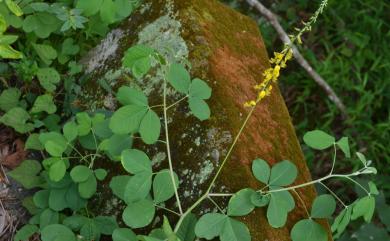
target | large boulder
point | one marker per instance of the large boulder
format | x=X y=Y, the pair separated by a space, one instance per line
x=224 y=48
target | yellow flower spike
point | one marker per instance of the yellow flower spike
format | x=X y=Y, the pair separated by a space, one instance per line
x=250 y=103
x=262 y=94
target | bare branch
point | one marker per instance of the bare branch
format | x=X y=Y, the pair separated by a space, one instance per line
x=272 y=19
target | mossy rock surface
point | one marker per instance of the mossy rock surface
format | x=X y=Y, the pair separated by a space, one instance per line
x=225 y=49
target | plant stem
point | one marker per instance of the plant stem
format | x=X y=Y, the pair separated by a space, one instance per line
x=216 y=204
x=177 y=102
x=167 y=209
x=169 y=149
x=302 y=202
x=220 y=194
x=334 y=194
x=334 y=158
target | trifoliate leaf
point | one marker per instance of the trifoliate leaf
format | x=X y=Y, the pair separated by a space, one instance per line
x=199 y=89
x=135 y=161
x=365 y=208
x=130 y=96
x=308 y=230
x=199 y=108
x=240 y=203
x=9 y=99
x=48 y=78
x=44 y=103
x=127 y=119
x=318 y=140
x=150 y=127
x=139 y=214
x=280 y=204
x=323 y=206
x=283 y=173
x=261 y=170
x=179 y=78
x=138 y=59
x=84 y=123
x=163 y=188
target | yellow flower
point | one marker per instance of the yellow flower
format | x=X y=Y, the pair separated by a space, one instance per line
x=250 y=103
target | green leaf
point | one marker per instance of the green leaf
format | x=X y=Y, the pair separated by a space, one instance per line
x=75 y=222
x=80 y=173
x=84 y=123
x=150 y=127
x=118 y=185
x=57 y=170
x=89 y=231
x=41 y=198
x=107 y=11
x=283 y=173
x=70 y=131
x=48 y=217
x=88 y=188
x=44 y=103
x=33 y=143
x=163 y=188
x=25 y=232
x=46 y=52
x=344 y=146
x=365 y=208
x=89 y=7
x=48 y=78
x=54 y=143
x=341 y=222
x=14 y=8
x=7 y=52
x=124 y=234
x=130 y=96
x=179 y=78
x=234 y=230
x=106 y=224
x=138 y=187
x=199 y=89
x=308 y=230
x=210 y=225
x=187 y=228
x=139 y=214
x=261 y=170
x=362 y=158
x=240 y=203
x=17 y=118
x=127 y=119
x=100 y=174
x=199 y=108
x=323 y=206
x=279 y=205
x=260 y=200
x=57 y=200
x=9 y=99
x=27 y=174
x=57 y=232
x=73 y=198
x=117 y=144
x=373 y=188
x=138 y=59
x=318 y=140
x=135 y=161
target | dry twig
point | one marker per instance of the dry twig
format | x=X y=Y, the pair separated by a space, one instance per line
x=272 y=19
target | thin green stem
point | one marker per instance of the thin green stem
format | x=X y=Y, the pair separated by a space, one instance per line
x=360 y=185
x=155 y=106
x=334 y=194
x=230 y=149
x=169 y=149
x=189 y=210
x=334 y=158
x=167 y=209
x=177 y=102
x=220 y=194
x=216 y=204
x=302 y=202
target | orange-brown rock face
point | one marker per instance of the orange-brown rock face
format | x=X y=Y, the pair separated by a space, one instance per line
x=225 y=49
